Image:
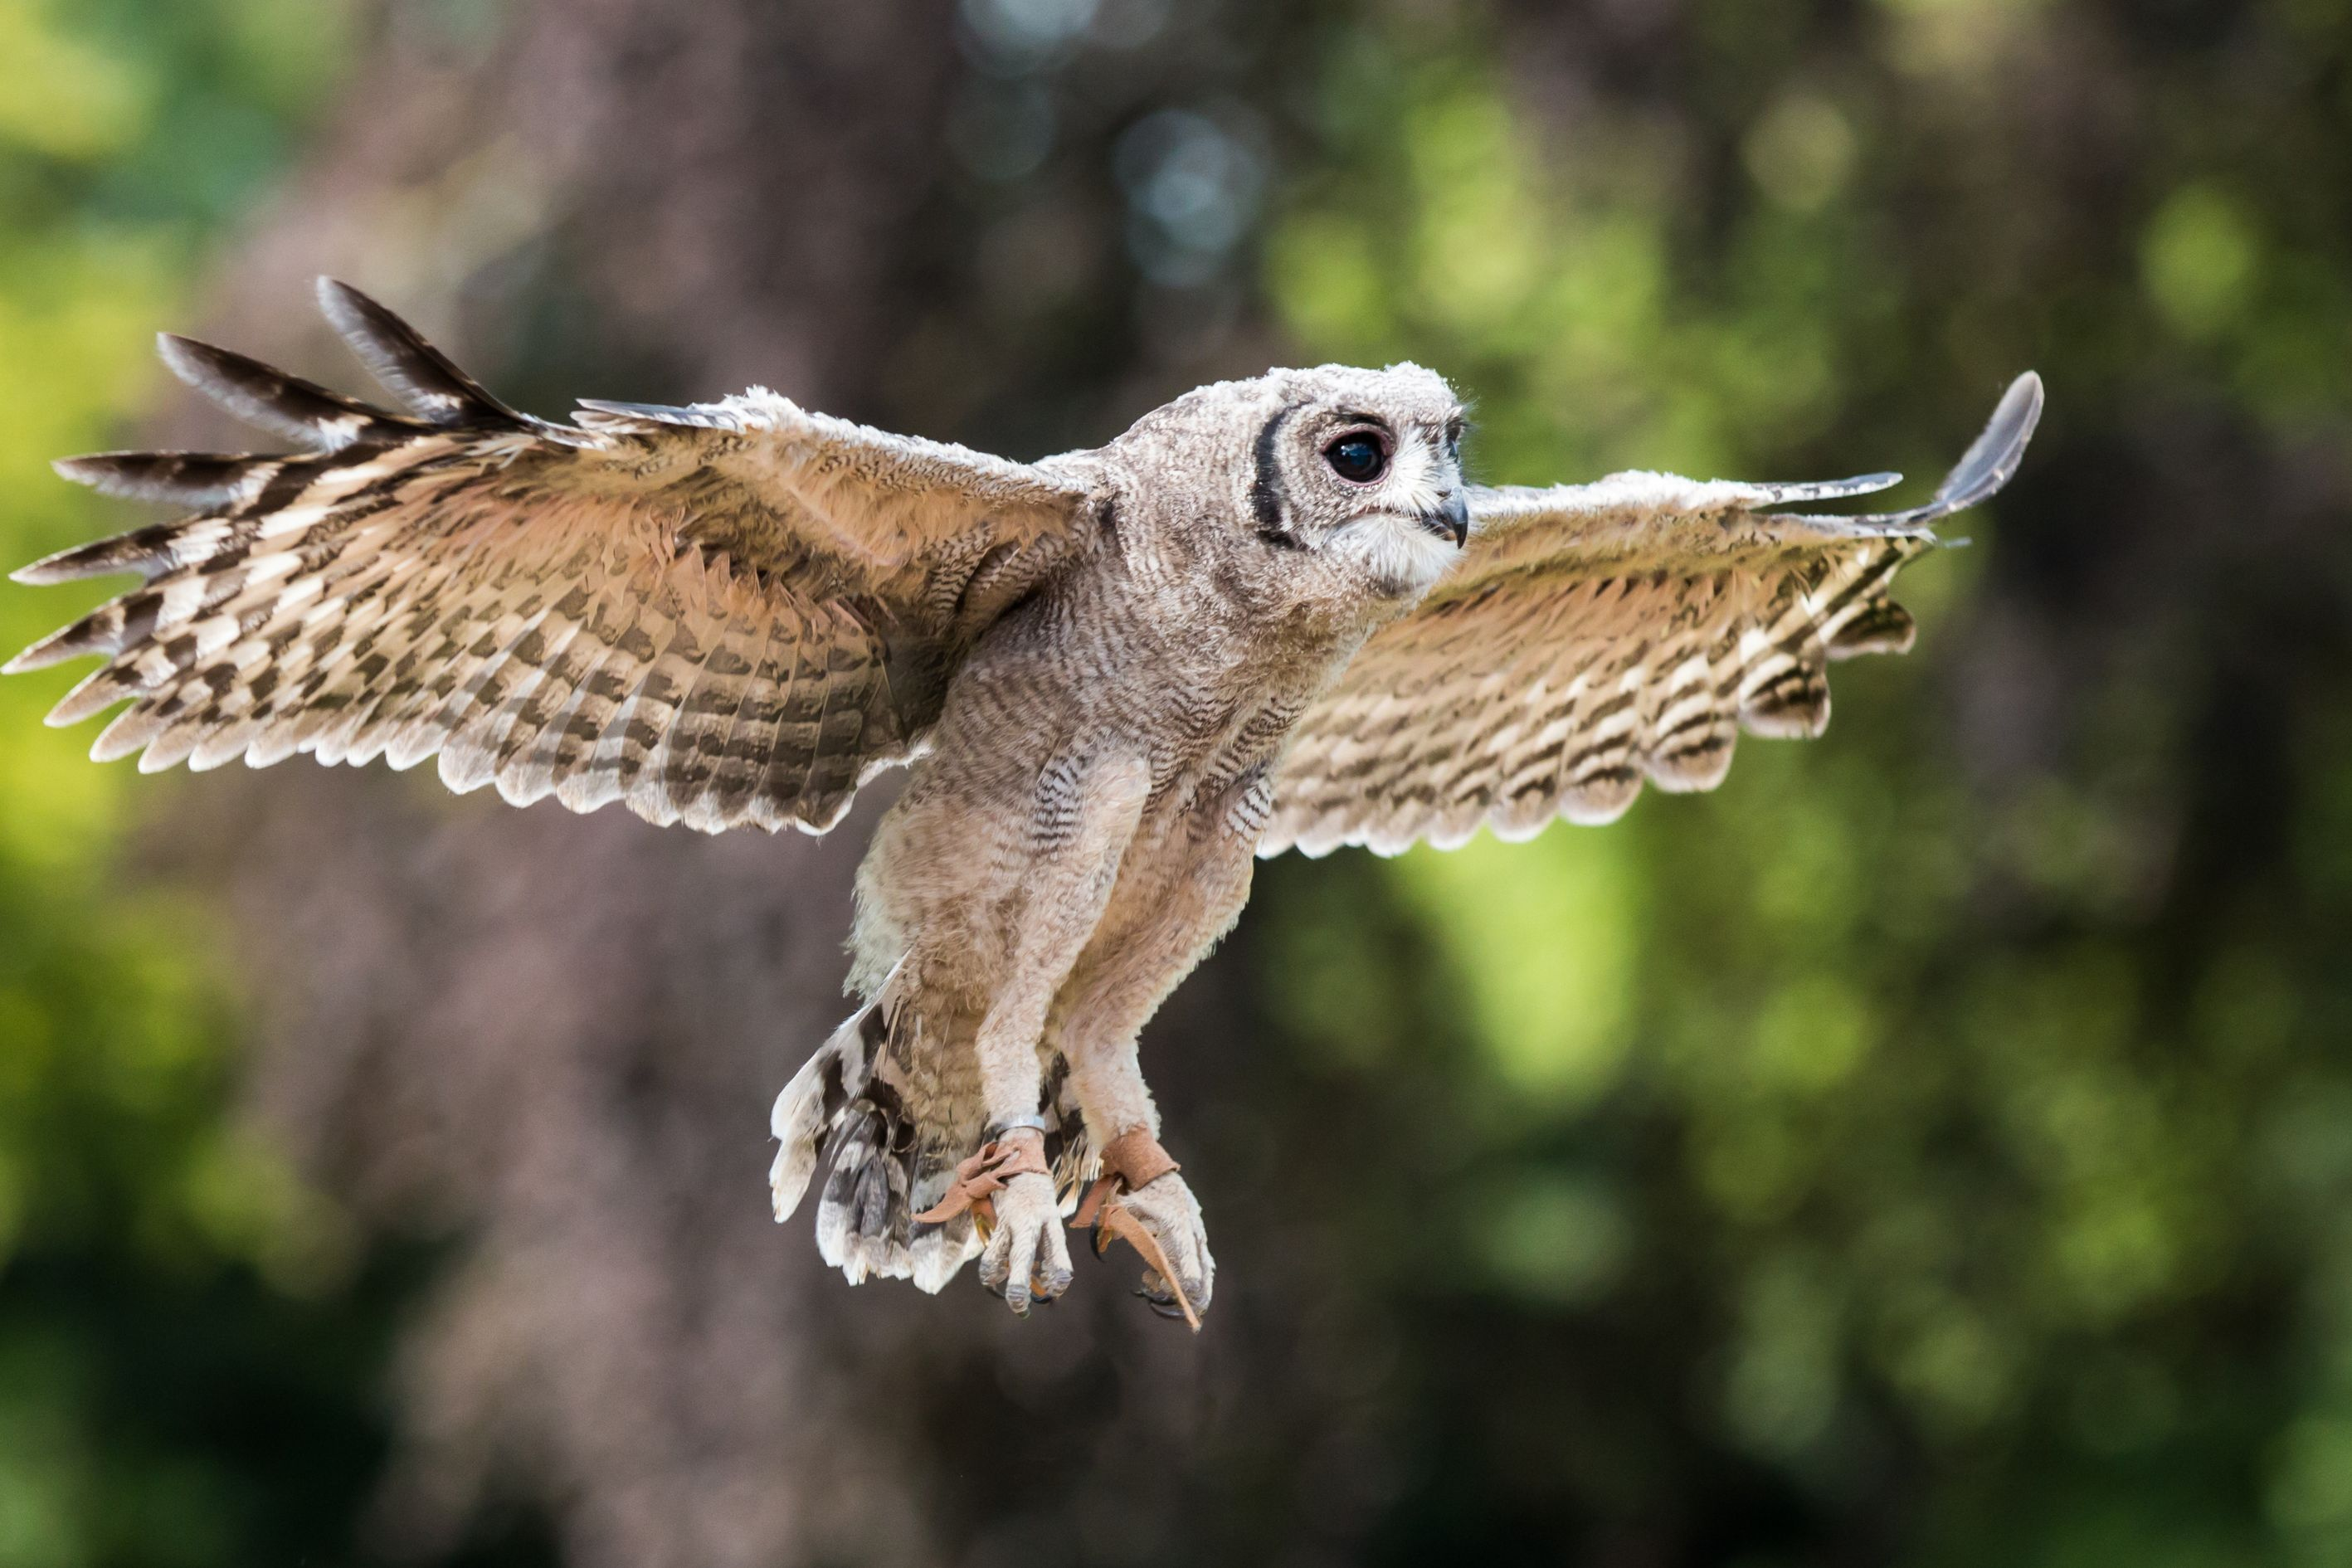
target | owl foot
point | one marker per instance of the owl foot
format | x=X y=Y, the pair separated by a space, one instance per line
x=1026 y=1258
x=1141 y=1200
x=1009 y=1189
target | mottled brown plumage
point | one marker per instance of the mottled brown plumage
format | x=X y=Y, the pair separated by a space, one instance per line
x=1271 y=613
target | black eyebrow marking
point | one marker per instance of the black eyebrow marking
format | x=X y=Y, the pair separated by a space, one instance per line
x=1265 y=493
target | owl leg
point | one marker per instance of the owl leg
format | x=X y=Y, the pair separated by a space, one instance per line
x=1139 y=1189
x=1142 y=1198
x=1085 y=815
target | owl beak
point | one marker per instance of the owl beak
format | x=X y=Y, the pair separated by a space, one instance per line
x=1452 y=518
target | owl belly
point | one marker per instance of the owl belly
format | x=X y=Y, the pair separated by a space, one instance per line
x=1181 y=884
x=945 y=893
x=944 y=897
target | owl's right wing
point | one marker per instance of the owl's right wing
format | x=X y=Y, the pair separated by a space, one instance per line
x=727 y=614
x=1594 y=636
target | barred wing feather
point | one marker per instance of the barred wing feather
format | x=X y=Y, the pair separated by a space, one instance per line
x=1597 y=635
x=727 y=614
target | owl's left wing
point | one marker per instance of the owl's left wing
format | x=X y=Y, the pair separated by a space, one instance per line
x=728 y=614
x=1594 y=636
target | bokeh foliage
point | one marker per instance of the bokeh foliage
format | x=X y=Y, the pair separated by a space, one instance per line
x=180 y=1353
x=1970 y=1084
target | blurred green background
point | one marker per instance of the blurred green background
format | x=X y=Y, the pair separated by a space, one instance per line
x=1935 y=1146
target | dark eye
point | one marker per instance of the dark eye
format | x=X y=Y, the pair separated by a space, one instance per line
x=1358 y=458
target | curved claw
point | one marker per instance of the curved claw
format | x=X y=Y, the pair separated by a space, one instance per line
x=1116 y=1224
x=1166 y=1306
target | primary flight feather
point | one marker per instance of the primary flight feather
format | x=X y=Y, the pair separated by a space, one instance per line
x=1270 y=614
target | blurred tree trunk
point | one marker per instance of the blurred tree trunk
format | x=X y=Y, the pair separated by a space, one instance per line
x=556 y=1038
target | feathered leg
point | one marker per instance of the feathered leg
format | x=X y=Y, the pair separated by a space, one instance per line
x=1141 y=954
x=1083 y=816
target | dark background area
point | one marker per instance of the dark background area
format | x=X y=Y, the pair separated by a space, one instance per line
x=1934 y=1147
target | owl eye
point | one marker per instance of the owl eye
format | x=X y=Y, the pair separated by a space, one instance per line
x=1359 y=459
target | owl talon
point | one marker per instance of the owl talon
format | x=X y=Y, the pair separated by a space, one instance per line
x=1026 y=1260
x=1008 y=1190
x=1169 y=1306
x=1141 y=1200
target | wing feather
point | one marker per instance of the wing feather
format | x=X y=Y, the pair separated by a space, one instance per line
x=725 y=614
x=1599 y=636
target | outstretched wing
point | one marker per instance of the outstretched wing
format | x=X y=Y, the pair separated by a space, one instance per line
x=724 y=613
x=1596 y=634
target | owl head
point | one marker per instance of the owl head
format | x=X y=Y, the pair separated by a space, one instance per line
x=1361 y=469
x=1334 y=485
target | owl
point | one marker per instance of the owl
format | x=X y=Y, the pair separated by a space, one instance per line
x=1272 y=615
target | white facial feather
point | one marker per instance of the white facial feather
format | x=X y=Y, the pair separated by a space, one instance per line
x=1393 y=539
x=1400 y=555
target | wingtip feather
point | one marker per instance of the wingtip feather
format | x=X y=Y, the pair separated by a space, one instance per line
x=336 y=298
x=419 y=374
x=1985 y=468
x=198 y=481
x=1992 y=460
x=184 y=357
x=188 y=360
x=1828 y=489
x=60 y=645
x=50 y=571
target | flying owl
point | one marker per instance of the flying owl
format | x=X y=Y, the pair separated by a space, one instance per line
x=1272 y=615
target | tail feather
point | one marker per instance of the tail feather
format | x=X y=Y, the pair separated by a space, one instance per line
x=881 y=1116
x=881 y=1165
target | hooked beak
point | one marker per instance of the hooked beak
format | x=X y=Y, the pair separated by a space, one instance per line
x=1452 y=518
